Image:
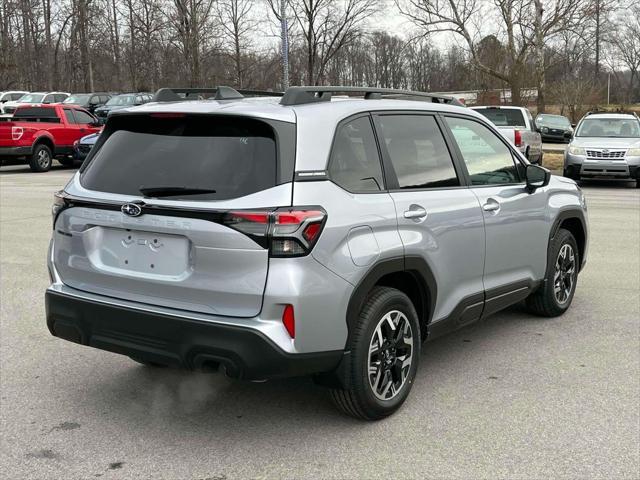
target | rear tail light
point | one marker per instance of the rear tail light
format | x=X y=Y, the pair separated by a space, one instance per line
x=16 y=133
x=289 y=320
x=59 y=204
x=517 y=138
x=287 y=232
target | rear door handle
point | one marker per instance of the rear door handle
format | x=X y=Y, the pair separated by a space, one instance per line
x=491 y=205
x=415 y=211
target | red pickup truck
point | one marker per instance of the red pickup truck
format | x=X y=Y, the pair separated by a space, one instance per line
x=44 y=132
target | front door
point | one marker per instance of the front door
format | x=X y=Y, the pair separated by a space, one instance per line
x=515 y=224
x=439 y=219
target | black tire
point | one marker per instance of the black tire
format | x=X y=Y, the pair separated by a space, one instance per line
x=41 y=158
x=359 y=400
x=67 y=161
x=544 y=301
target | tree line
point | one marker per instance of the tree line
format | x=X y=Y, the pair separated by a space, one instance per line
x=568 y=49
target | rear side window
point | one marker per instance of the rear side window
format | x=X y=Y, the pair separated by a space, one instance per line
x=355 y=163
x=503 y=117
x=230 y=157
x=417 y=151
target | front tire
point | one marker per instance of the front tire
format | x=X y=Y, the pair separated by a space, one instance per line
x=41 y=158
x=385 y=351
x=555 y=295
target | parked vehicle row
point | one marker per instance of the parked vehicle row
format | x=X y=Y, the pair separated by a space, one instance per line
x=34 y=98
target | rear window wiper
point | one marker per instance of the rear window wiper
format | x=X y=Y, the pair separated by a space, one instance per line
x=164 y=191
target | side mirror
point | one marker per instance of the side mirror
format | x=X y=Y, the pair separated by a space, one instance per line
x=537 y=177
x=95 y=123
x=573 y=125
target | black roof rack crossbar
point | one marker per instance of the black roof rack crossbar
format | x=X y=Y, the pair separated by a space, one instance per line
x=218 y=93
x=304 y=95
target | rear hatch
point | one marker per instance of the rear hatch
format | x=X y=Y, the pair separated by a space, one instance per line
x=153 y=215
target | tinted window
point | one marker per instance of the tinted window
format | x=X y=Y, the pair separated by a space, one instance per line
x=503 y=117
x=488 y=159
x=16 y=96
x=418 y=151
x=37 y=114
x=233 y=156
x=69 y=115
x=355 y=164
x=83 y=117
x=49 y=99
x=60 y=97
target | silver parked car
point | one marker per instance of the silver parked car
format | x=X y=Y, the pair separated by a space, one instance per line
x=306 y=235
x=605 y=145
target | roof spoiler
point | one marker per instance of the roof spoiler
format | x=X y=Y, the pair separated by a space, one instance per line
x=217 y=93
x=305 y=95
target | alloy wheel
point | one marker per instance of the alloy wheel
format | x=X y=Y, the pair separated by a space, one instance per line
x=390 y=355
x=43 y=159
x=565 y=274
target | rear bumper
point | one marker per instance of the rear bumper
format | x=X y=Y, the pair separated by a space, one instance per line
x=15 y=151
x=180 y=342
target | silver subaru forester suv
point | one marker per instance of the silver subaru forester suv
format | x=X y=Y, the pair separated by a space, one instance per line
x=310 y=234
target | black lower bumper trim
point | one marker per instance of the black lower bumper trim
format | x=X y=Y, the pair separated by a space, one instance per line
x=195 y=345
x=15 y=151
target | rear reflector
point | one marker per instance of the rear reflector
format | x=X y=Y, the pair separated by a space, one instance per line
x=289 y=320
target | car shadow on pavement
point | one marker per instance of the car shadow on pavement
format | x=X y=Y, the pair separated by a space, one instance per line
x=22 y=169
x=157 y=400
x=603 y=183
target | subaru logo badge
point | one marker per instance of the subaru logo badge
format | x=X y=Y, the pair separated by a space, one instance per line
x=131 y=209
x=605 y=150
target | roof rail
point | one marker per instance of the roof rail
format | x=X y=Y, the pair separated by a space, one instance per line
x=218 y=93
x=304 y=95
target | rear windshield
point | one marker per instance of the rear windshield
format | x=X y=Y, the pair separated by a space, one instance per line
x=228 y=156
x=553 y=120
x=503 y=117
x=36 y=114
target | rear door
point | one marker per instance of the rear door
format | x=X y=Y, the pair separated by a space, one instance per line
x=439 y=219
x=188 y=250
x=515 y=220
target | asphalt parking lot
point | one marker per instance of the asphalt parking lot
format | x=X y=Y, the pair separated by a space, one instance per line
x=515 y=396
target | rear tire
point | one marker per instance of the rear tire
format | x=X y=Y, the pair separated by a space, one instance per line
x=385 y=351
x=41 y=158
x=67 y=161
x=555 y=295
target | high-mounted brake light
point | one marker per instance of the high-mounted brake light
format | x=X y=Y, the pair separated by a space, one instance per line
x=16 y=133
x=517 y=138
x=287 y=232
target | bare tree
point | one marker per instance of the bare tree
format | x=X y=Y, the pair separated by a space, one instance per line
x=328 y=26
x=237 y=24
x=626 y=45
x=520 y=26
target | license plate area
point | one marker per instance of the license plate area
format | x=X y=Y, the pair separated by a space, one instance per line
x=139 y=253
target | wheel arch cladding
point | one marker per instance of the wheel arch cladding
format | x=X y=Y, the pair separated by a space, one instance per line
x=410 y=275
x=574 y=222
x=45 y=140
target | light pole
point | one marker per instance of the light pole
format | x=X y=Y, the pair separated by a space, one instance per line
x=285 y=45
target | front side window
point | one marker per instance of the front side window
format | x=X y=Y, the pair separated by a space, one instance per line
x=488 y=160
x=83 y=117
x=355 y=163
x=417 y=151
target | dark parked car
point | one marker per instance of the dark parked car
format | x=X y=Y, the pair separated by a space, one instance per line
x=83 y=146
x=554 y=128
x=119 y=102
x=89 y=101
